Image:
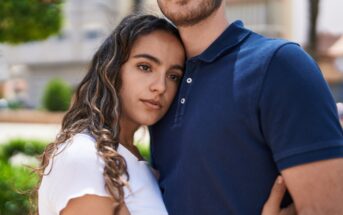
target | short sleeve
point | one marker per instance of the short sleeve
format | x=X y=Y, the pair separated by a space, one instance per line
x=77 y=171
x=298 y=114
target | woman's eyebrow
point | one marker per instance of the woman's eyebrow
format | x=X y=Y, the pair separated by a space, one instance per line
x=147 y=56
x=156 y=60
x=178 y=67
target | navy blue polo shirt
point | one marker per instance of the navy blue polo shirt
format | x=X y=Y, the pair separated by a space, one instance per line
x=247 y=108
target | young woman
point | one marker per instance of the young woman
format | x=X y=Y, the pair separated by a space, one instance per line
x=93 y=167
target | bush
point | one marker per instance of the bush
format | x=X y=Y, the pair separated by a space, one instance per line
x=57 y=95
x=28 y=147
x=14 y=104
x=16 y=183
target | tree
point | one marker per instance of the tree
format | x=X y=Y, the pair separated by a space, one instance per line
x=29 y=20
x=312 y=33
x=137 y=5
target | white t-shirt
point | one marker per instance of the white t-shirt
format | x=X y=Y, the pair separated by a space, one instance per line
x=78 y=170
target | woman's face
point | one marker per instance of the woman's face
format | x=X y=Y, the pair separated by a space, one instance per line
x=150 y=78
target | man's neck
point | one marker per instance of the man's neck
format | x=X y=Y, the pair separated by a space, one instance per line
x=199 y=37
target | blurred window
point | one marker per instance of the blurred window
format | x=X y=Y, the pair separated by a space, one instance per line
x=62 y=36
x=92 y=34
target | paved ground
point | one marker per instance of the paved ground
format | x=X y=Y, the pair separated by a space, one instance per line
x=45 y=132
x=32 y=131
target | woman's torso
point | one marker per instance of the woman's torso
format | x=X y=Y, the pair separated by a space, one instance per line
x=77 y=170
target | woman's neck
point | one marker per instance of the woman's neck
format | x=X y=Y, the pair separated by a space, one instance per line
x=126 y=137
x=127 y=131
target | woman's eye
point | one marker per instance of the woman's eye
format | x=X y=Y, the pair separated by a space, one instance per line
x=174 y=77
x=144 y=67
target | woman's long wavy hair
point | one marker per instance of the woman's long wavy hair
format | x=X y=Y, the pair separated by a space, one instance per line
x=96 y=108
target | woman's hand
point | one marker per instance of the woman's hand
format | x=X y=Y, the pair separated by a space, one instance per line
x=272 y=205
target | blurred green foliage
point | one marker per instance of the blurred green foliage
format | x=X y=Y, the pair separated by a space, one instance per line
x=17 y=182
x=57 y=95
x=29 y=20
x=144 y=149
x=14 y=104
x=27 y=147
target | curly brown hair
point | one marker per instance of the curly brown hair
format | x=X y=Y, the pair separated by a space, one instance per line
x=96 y=106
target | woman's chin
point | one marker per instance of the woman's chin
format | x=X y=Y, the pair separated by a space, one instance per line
x=150 y=121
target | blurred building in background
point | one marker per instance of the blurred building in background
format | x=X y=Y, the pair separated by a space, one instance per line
x=66 y=56
x=87 y=22
x=289 y=19
x=267 y=17
x=4 y=75
x=336 y=50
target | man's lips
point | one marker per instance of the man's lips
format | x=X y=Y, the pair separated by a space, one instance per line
x=153 y=104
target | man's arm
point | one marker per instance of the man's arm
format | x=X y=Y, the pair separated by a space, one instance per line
x=316 y=188
x=300 y=123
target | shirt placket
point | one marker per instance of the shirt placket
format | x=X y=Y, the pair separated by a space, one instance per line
x=185 y=88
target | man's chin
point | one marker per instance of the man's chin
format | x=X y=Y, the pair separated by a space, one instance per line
x=191 y=13
x=186 y=23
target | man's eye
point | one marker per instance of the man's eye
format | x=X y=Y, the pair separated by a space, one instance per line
x=144 y=67
x=175 y=78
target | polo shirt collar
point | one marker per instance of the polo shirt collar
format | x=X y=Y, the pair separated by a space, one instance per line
x=234 y=34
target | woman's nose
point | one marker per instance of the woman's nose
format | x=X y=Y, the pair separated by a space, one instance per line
x=159 y=84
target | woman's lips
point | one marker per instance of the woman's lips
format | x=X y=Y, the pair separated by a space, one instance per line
x=152 y=104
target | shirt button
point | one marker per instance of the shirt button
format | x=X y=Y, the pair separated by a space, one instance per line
x=183 y=100
x=189 y=80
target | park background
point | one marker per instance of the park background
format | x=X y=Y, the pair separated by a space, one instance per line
x=46 y=47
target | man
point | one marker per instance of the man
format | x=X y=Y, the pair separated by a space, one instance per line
x=248 y=109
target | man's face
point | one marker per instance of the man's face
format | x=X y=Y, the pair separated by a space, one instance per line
x=188 y=12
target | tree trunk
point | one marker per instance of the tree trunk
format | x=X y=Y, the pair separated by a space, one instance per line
x=312 y=33
x=137 y=6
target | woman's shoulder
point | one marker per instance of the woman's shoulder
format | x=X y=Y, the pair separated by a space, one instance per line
x=77 y=155
x=80 y=148
x=75 y=162
x=76 y=170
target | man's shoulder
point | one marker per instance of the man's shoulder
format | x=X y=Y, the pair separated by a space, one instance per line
x=258 y=51
x=259 y=43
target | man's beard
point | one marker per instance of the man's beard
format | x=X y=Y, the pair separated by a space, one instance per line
x=193 y=16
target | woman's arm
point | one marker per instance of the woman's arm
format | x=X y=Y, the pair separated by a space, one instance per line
x=92 y=204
